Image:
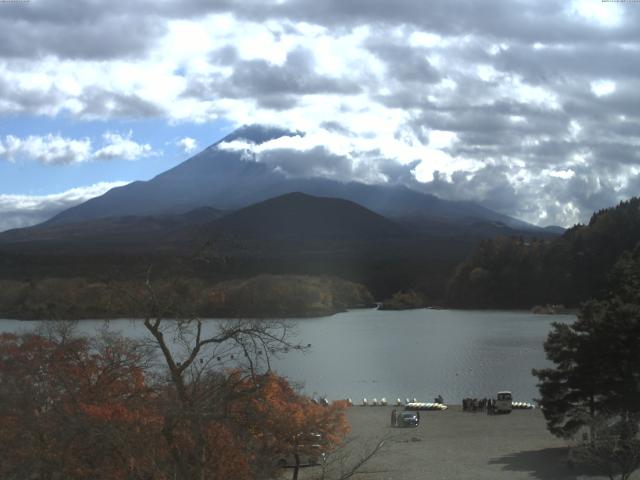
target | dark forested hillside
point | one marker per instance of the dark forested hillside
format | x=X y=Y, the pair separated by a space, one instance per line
x=519 y=273
x=296 y=215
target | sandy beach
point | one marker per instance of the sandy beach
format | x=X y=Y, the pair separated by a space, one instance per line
x=453 y=444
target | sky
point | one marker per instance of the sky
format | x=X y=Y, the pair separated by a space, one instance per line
x=530 y=108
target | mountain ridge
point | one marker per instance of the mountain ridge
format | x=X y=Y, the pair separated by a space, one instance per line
x=222 y=179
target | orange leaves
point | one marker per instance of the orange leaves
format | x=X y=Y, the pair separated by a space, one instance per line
x=83 y=410
x=69 y=409
x=279 y=417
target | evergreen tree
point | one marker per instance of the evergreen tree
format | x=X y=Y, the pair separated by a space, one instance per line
x=597 y=359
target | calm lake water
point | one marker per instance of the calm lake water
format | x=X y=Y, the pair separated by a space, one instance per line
x=414 y=353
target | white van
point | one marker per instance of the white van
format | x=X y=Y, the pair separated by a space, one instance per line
x=503 y=402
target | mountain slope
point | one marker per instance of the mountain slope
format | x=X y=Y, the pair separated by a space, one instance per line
x=108 y=233
x=221 y=179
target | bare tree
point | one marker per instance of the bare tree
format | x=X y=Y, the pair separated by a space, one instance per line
x=197 y=354
x=350 y=459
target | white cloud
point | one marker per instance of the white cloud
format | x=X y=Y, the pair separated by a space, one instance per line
x=48 y=149
x=122 y=147
x=601 y=88
x=606 y=14
x=53 y=149
x=17 y=211
x=502 y=97
x=187 y=144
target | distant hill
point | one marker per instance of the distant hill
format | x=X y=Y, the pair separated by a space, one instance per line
x=291 y=217
x=294 y=233
x=516 y=272
x=296 y=215
x=109 y=233
x=222 y=179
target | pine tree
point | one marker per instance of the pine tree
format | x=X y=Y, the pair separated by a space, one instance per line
x=597 y=359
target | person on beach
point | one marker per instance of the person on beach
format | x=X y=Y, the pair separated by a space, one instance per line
x=418 y=415
x=394 y=418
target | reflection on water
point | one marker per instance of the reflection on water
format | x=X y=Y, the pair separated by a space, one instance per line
x=415 y=353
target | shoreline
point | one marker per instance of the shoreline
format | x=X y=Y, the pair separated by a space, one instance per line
x=309 y=316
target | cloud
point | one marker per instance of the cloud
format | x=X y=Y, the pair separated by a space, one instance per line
x=17 y=211
x=49 y=149
x=122 y=147
x=97 y=102
x=53 y=149
x=272 y=86
x=187 y=144
x=87 y=29
x=482 y=101
x=311 y=156
x=404 y=62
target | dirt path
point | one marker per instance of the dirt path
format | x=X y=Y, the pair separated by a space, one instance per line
x=458 y=445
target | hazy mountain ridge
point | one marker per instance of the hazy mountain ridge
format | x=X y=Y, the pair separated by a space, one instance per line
x=107 y=233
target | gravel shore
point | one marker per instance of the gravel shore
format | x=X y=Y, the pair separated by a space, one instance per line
x=453 y=444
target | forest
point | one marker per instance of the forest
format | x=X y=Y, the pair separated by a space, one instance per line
x=517 y=272
x=60 y=298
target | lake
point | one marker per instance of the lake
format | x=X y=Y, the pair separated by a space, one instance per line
x=414 y=353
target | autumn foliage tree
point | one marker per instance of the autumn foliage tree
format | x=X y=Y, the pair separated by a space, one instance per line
x=89 y=410
x=75 y=409
x=195 y=400
x=286 y=424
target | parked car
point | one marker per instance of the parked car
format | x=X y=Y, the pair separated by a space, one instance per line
x=408 y=419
